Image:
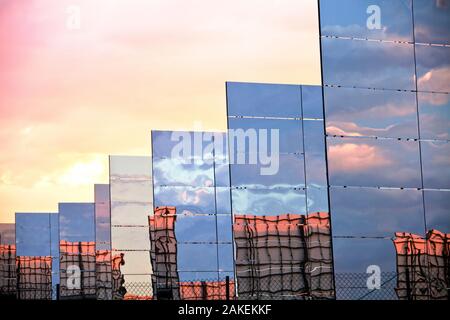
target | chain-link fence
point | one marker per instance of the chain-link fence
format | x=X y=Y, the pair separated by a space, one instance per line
x=349 y=286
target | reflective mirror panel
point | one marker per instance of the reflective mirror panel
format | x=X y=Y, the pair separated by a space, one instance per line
x=437 y=210
x=434 y=115
x=263 y=100
x=192 y=212
x=37 y=236
x=436 y=164
x=373 y=162
x=363 y=112
x=392 y=211
x=131 y=194
x=77 y=249
x=273 y=235
x=380 y=19
x=433 y=64
x=431 y=21
x=368 y=64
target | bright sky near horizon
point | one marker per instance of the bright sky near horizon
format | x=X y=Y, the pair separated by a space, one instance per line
x=73 y=91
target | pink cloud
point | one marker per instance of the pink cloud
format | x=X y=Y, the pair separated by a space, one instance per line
x=435 y=80
x=352 y=157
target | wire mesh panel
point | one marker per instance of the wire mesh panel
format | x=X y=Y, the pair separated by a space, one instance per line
x=285 y=256
x=165 y=277
x=7 y=261
x=423 y=266
x=103 y=273
x=7 y=271
x=34 y=278
x=78 y=270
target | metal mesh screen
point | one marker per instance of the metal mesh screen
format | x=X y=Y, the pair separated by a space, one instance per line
x=34 y=278
x=284 y=256
x=422 y=266
x=164 y=253
x=103 y=273
x=7 y=270
x=74 y=257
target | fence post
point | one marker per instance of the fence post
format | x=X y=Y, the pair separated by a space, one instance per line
x=408 y=286
x=227 y=287
x=204 y=290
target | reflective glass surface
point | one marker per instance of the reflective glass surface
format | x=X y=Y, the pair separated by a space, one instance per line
x=368 y=64
x=187 y=200
x=263 y=100
x=315 y=163
x=269 y=198
x=317 y=199
x=431 y=21
x=287 y=173
x=226 y=258
x=312 y=104
x=130 y=238
x=433 y=65
x=7 y=233
x=183 y=145
x=436 y=164
x=268 y=202
x=289 y=133
x=358 y=18
x=392 y=211
x=76 y=222
x=131 y=194
x=363 y=112
x=437 y=204
x=196 y=228
x=32 y=234
x=188 y=257
x=102 y=217
x=355 y=255
x=373 y=162
x=136 y=264
x=192 y=207
x=434 y=115
x=37 y=235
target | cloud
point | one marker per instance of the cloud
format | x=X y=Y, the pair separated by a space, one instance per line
x=351 y=157
x=436 y=79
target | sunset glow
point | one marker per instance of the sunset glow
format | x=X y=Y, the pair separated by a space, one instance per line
x=70 y=96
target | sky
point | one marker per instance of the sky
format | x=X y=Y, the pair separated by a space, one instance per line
x=82 y=79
